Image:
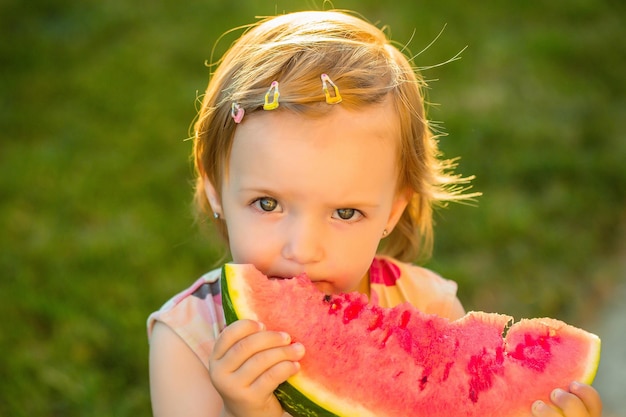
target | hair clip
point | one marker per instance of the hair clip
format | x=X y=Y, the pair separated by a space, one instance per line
x=330 y=99
x=236 y=112
x=271 y=105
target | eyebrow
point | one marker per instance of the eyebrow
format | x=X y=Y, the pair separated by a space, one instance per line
x=256 y=190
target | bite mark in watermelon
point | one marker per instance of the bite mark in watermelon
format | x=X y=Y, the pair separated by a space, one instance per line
x=364 y=360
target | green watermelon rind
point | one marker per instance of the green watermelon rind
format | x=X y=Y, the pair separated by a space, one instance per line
x=292 y=400
x=297 y=404
x=230 y=315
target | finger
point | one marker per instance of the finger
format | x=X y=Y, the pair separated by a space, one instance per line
x=568 y=403
x=247 y=357
x=277 y=348
x=233 y=334
x=260 y=372
x=541 y=409
x=256 y=349
x=280 y=371
x=589 y=396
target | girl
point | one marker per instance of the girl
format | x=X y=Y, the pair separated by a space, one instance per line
x=311 y=147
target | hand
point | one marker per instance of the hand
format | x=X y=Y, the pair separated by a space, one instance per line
x=582 y=400
x=248 y=363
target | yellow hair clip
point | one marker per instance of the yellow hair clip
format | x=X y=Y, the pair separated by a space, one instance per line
x=330 y=99
x=271 y=105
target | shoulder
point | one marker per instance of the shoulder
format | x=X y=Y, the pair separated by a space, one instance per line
x=182 y=334
x=395 y=282
x=391 y=272
x=194 y=314
x=207 y=283
x=179 y=383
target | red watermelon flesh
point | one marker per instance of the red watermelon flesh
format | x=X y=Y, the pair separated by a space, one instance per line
x=363 y=360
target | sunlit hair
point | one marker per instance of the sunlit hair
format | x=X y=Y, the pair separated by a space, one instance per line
x=295 y=49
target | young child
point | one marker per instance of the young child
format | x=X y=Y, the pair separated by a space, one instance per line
x=311 y=146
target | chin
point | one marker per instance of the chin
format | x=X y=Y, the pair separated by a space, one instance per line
x=330 y=288
x=326 y=287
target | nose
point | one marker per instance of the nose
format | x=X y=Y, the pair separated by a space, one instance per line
x=304 y=242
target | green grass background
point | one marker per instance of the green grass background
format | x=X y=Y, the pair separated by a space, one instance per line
x=96 y=231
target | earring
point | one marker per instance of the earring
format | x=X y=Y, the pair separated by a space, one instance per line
x=385 y=232
x=216 y=216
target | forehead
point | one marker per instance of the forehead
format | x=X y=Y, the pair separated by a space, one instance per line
x=343 y=151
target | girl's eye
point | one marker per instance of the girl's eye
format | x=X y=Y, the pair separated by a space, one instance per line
x=348 y=214
x=266 y=204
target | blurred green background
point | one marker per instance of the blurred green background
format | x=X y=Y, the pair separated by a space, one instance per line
x=96 y=101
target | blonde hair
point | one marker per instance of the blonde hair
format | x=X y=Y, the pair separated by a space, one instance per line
x=295 y=49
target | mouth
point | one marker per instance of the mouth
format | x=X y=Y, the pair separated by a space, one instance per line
x=322 y=285
x=284 y=274
x=278 y=277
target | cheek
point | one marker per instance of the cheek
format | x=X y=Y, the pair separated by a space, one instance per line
x=250 y=245
x=358 y=249
x=351 y=258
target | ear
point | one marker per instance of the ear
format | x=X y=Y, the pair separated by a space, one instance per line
x=400 y=202
x=212 y=196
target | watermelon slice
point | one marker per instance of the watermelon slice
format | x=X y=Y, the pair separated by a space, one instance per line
x=364 y=360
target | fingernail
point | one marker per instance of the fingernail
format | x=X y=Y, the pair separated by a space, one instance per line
x=539 y=406
x=299 y=348
x=575 y=386
x=557 y=394
x=285 y=337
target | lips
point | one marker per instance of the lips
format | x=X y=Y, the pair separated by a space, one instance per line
x=321 y=284
x=277 y=277
x=283 y=275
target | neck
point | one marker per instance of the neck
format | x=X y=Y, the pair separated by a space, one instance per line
x=364 y=285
